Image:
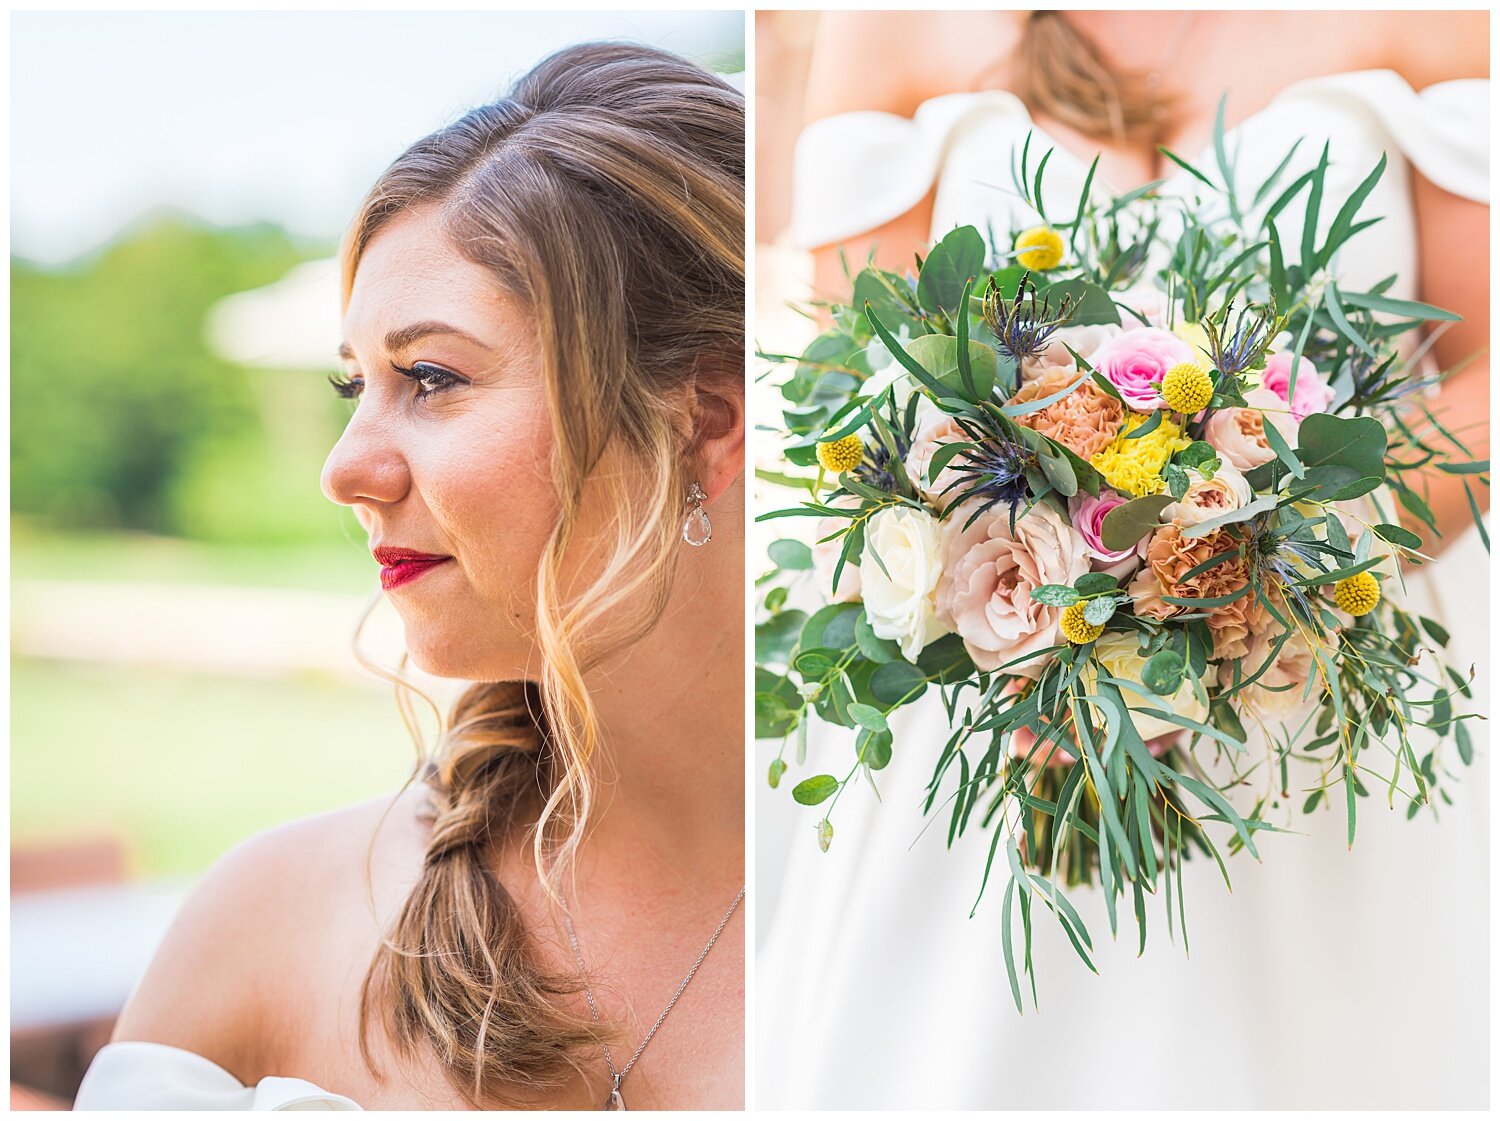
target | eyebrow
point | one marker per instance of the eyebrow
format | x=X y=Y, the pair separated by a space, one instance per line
x=403 y=337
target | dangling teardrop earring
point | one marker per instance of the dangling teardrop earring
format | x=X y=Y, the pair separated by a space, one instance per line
x=697 y=530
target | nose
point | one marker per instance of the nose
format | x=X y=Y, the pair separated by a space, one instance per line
x=366 y=468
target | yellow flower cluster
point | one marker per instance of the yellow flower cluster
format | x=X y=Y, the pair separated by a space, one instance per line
x=1076 y=629
x=1134 y=467
x=1044 y=249
x=842 y=455
x=1357 y=594
x=1187 y=388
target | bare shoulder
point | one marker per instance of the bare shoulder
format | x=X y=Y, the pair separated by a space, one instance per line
x=1426 y=47
x=261 y=924
x=893 y=61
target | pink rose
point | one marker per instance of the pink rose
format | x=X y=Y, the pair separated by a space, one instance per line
x=984 y=589
x=1239 y=435
x=1133 y=360
x=1087 y=514
x=1313 y=394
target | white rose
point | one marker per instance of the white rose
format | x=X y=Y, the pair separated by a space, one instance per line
x=1119 y=653
x=1225 y=493
x=899 y=597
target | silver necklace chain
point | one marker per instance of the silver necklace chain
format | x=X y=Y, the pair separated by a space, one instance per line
x=619 y=1075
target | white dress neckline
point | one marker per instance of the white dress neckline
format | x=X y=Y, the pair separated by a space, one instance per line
x=857 y=170
x=1205 y=151
x=138 y=1074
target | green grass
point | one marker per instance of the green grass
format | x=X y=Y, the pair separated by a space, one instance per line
x=182 y=767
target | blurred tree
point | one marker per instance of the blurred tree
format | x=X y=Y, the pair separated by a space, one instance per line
x=121 y=415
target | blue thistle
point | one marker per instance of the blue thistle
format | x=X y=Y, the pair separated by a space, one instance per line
x=994 y=472
x=1021 y=326
x=1244 y=348
x=876 y=468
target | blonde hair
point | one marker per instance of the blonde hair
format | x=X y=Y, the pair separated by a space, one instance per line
x=606 y=194
x=1058 y=70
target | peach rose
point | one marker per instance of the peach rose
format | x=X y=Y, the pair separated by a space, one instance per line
x=934 y=428
x=1225 y=493
x=984 y=589
x=1085 y=422
x=1239 y=435
x=1168 y=556
x=1282 y=689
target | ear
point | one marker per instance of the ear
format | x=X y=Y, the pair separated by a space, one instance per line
x=717 y=413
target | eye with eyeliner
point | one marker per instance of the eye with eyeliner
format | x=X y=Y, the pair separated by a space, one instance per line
x=420 y=372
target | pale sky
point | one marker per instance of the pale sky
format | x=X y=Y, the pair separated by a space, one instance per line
x=240 y=116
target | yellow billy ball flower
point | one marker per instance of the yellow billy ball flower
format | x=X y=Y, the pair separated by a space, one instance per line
x=1044 y=248
x=1357 y=594
x=842 y=455
x=1076 y=629
x=1187 y=388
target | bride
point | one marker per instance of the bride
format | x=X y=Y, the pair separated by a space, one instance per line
x=1329 y=978
x=544 y=340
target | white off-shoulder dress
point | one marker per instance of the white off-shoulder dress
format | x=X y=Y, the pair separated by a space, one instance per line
x=134 y=1074
x=1329 y=978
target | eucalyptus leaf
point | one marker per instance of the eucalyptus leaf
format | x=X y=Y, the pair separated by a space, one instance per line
x=952 y=262
x=897 y=682
x=789 y=554
x=1055 y=595
x=1163 y=673
x=1097 y=612
x=1127 y=523
x=811 y=791
x=938 y=355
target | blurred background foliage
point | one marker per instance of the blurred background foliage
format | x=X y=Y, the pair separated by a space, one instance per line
x=142 y=457
x=124 y=418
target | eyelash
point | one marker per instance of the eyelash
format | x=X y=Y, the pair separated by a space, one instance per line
x=419 y=372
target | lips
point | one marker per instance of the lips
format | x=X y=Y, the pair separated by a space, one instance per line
x=397 y=566
x=390 y=554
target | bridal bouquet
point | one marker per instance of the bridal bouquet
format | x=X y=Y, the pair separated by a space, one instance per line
x=1128 y=495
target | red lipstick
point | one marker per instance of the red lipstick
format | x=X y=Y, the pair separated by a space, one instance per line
x=397 y=566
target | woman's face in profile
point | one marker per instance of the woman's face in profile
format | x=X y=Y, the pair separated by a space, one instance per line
x=453 y=462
